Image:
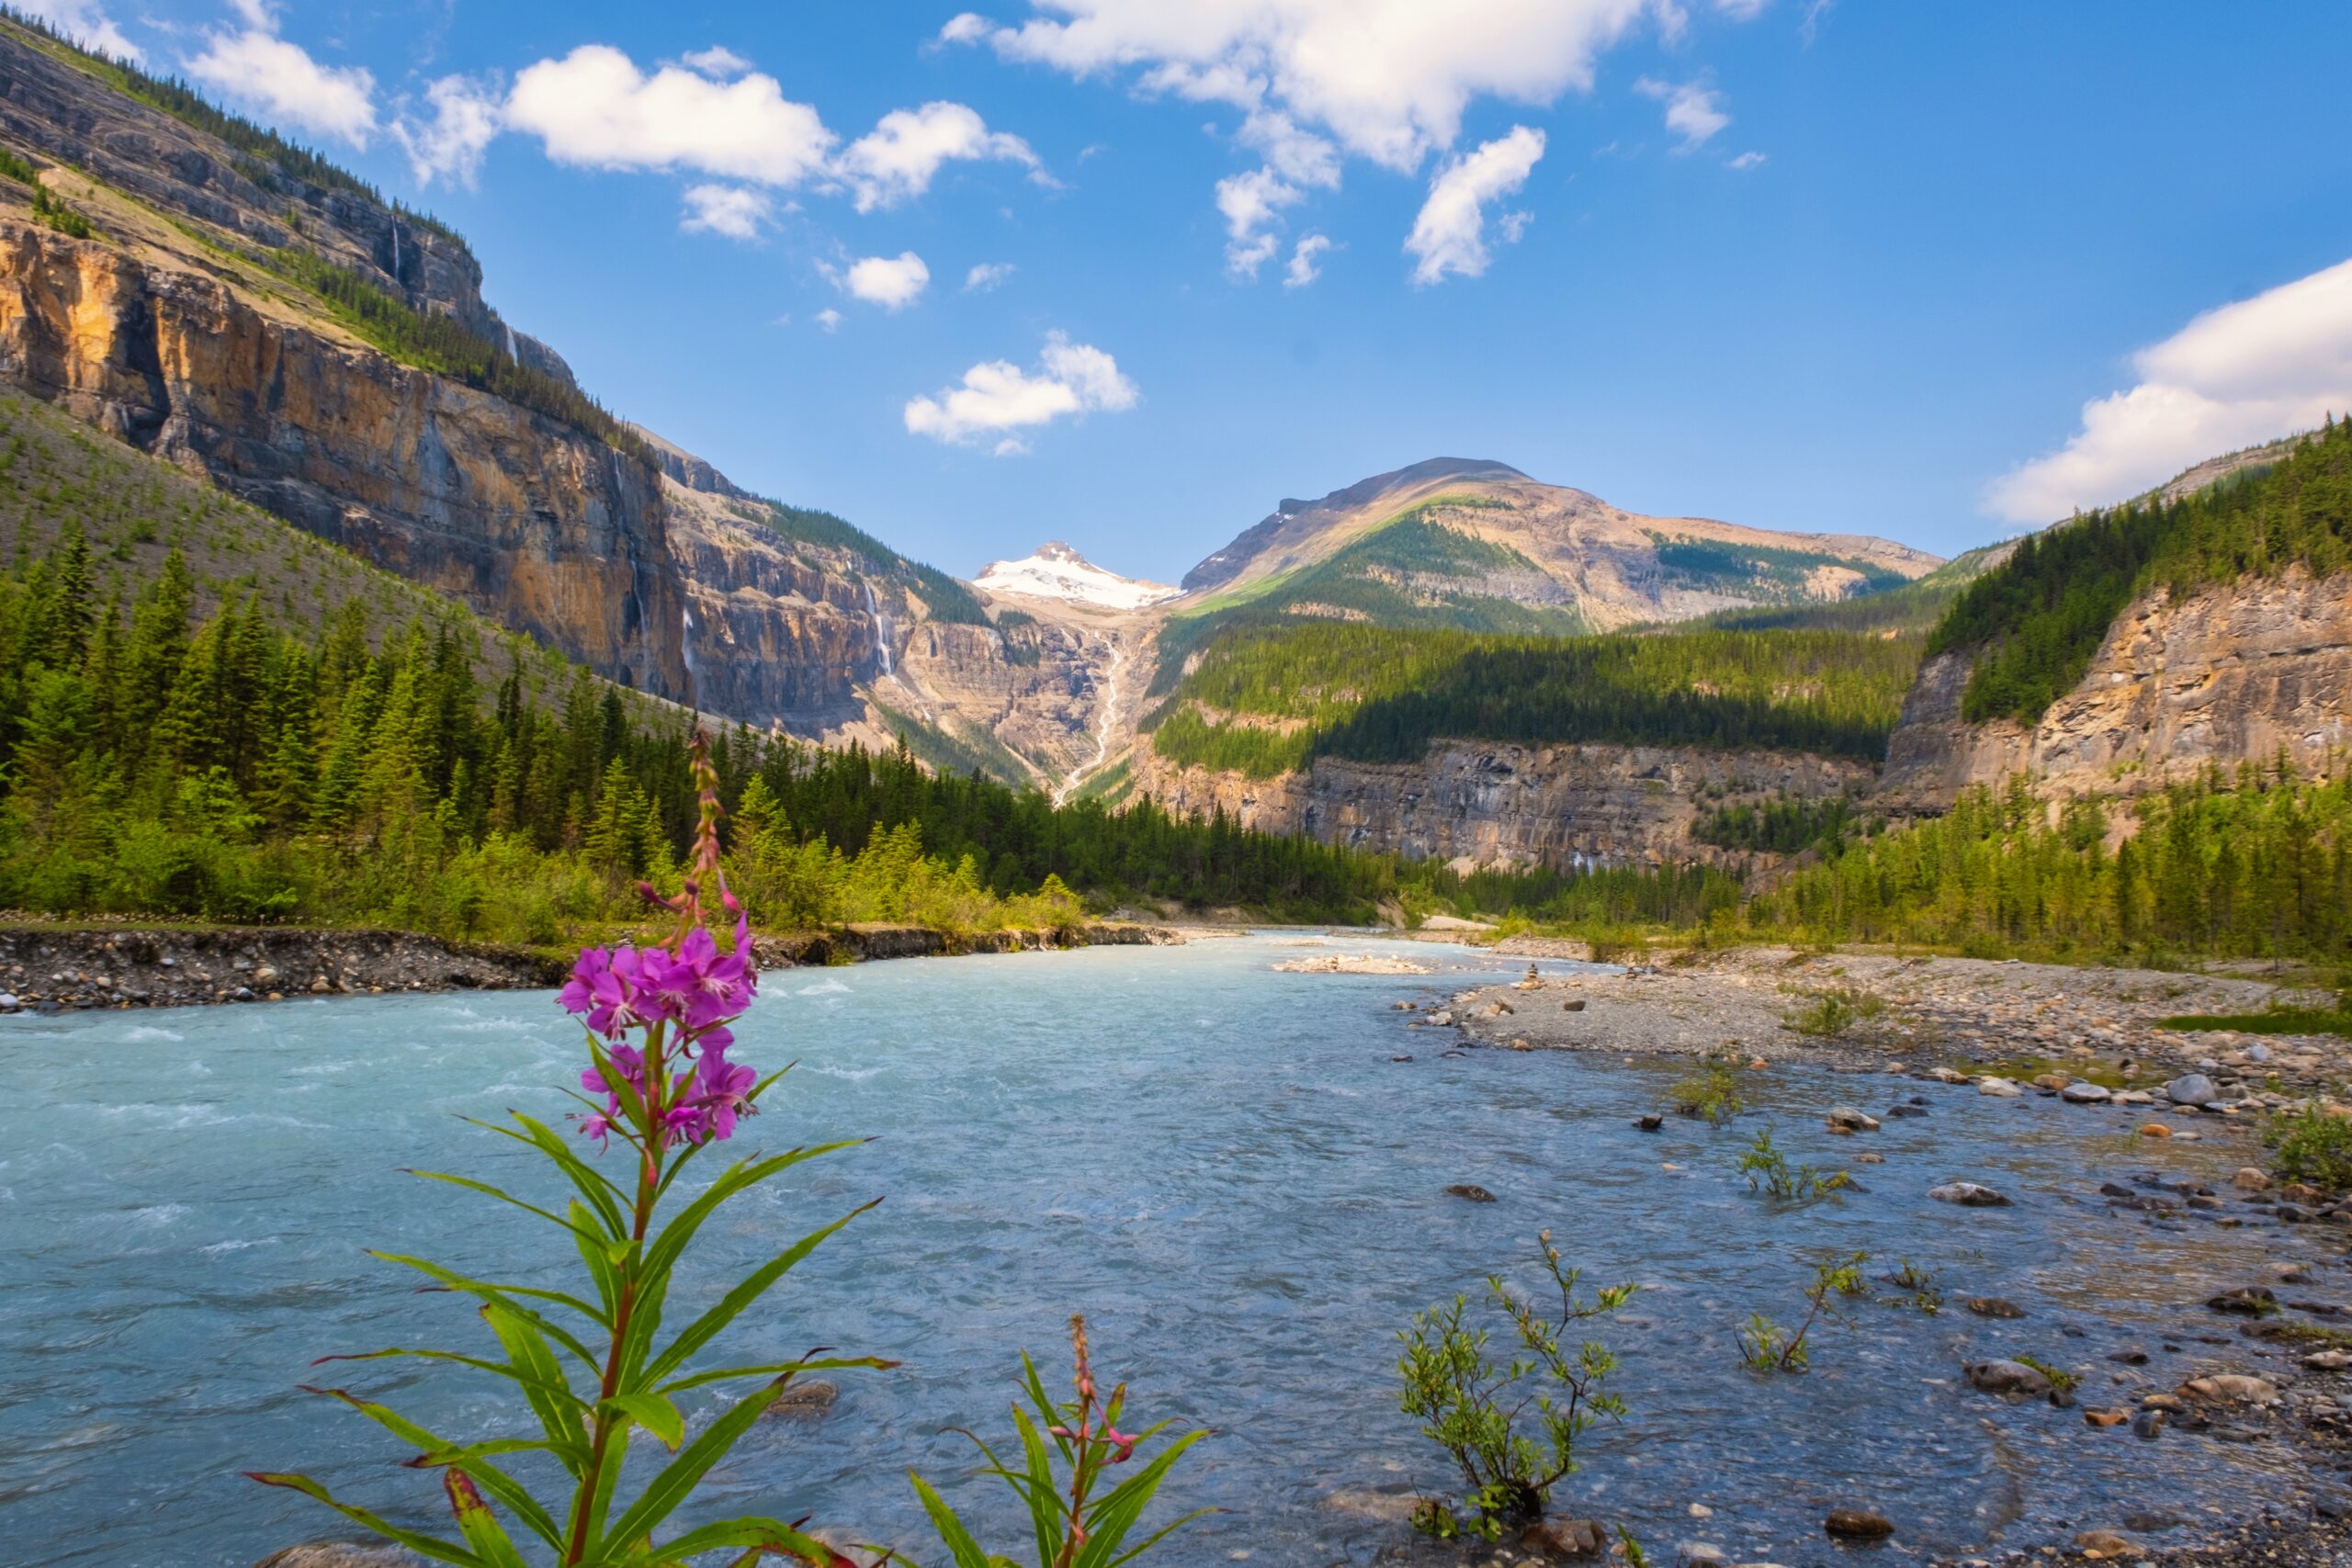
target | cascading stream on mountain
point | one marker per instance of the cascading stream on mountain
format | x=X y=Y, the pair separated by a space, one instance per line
x=1106 y=717
x=881 y=630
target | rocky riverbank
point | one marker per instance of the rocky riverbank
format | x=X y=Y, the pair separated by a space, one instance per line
x=52 y=968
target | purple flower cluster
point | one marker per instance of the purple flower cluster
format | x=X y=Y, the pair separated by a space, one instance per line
x=696 y=990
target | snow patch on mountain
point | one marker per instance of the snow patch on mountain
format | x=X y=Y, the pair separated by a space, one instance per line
x=1056 y=571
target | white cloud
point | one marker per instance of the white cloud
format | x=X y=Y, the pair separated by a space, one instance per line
x=1251 y=203
x=466 y=118
x=1303 y=269
x=1748 y=161
x=2245 y=373
x=1742 y=10
x=737 y=211
x=281 y=79
x=1693 y=112
x=829 y=318
x=998 y=397
x=86 y=22
x=594 y=107
x=898 y=157
x=716 y=61
x=892 y=282
x=1389 y=79
x=1450 y=234
x=985 y=276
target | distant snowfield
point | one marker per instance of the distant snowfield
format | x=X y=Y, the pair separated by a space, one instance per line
x=1056 y=571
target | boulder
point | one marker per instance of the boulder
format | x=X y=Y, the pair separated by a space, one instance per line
x=1858 y=1524
x=1994 y=1306
x=2233 y=1388
x=2002 y=1088
x=2081 y=1093
x=2246 y=1301
x=802 y=1402
x=1845 y=1118
x=1650 y=1123
x=2194 y=1088
x=1470 y=1190
x=1968 y=1194
x=2006 y=1378
x=2328 y=1360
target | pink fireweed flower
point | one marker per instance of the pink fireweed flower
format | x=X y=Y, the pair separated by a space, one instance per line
x=1122 y=1444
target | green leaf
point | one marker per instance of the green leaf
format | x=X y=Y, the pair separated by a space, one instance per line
x=1046 y=1514
x=509 y=1297
x=776 y=1368
x=471 y=1185
x=436 y=1450
x=701 y=1331
x=423 y=1545
x=654 y=1413
x=677 y=1479
x=541 y=1376
x=480 y=1526
x=601 y=1265
x=767 y=1534
x=665 y=1248
x=607 y=1199
x=952 y=1533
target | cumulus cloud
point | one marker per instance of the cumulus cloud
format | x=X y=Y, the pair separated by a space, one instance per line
x=1693 y=112
x=898 y=157
x=1303 y=258
x=829 y=318
x=998 y=398
x=1748 y=161
x=892 y=282
x=737 y=211
x=254 y=66
x=465 y=118
x=86 y=22
x=2245 y=373
x=594 y=107
x=1450 y=234
x=985 y=276
x=1388 y=79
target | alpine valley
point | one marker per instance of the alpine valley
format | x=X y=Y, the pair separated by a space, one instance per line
x=1453 y=659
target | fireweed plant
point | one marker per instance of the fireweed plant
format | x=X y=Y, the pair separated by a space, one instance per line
x=592 y=1368
x=1073 y=1527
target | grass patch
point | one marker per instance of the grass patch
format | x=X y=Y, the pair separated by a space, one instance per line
x=2278 y=1020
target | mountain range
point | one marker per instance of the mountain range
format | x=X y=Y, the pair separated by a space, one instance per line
x=206 y=292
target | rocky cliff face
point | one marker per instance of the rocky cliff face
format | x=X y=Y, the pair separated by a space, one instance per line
x=2241 y=671
x=1483 y=804
x=527 y=520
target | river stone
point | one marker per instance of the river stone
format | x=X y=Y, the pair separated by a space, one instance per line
x=343 y=1554
x=2148 y=1425
x=1845 y=1118
x=1947 y=1075
x=2005 y=1378
x=1994 y=1306
x=2106 y=1417
x=1573 y=1004
x=2195 y=1089
x=2233 y=1388
x=1562 y=1538
x=1650 y=1123
x=2250 y=1179
x=1471 y=1190
x=2248 y=1301
x=1859 y=1524
x=2328 y=1360
x=1968 y=1194
x=802 y=1402
x=2103 y=1545
x=2154 y=1129
x=2002 y=1088
x=2084 y=1094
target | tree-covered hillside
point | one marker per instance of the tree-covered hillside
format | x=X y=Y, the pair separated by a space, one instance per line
x=1270 y=701
x=2038 y=618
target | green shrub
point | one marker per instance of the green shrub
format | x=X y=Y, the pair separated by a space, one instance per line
x=1768 y=1347
x=2315 y=1147
x=1769 y=1173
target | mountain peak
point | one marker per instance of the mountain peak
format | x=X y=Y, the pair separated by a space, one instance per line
x=1055 y=570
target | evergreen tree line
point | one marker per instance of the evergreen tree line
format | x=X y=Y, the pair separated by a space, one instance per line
x=2040 y=616
x=1783 y=827
x=227 y=768
x=1377 y=694
x=2250 y=864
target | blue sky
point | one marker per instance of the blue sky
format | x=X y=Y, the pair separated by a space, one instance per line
x=1927 y=271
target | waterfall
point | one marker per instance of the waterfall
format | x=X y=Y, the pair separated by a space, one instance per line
x=881 y=629
x=512 y=353
x=686 y=650
x=396 y=250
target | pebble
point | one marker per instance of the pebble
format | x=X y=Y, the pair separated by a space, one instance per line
x=2102 y=1545
x=2154 y=1129
x=1859 y=1524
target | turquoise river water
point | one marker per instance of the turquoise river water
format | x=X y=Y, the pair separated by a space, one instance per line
x=1222 y=1166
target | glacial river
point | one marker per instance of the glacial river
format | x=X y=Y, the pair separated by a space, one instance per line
x=1224 y=1167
